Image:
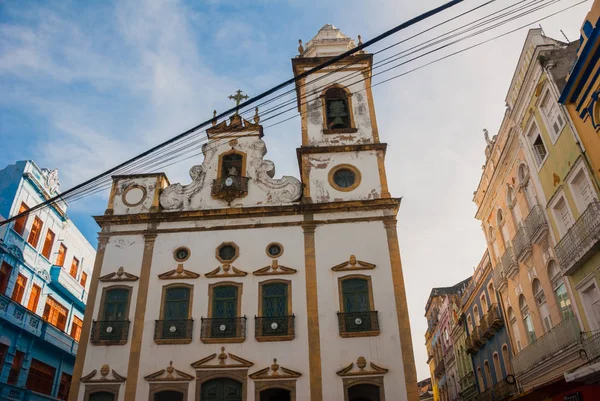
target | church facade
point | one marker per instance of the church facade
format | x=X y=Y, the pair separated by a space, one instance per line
x=241 y=286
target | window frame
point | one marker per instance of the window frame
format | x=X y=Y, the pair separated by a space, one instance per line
x=21 y=222
x=31 y=307
x=289 y=315
x=77 y=336
x=33 y=239
x=531 y=139
x=562 y=231
x=369 y=287
x=352 y=128
x=66 y=315
x=22 y=288
x=59 y=254
x=578 y=168
x=231 y=152
x=374 y=330
x=74 y=262
x=95 y=338
x=83 y=279
x=48 y=245
x=546 y=92
x=7 y=270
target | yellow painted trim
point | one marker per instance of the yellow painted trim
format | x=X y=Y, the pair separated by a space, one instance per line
x=371 y=104
x=231 y=152
x=274 y=243
x=326 y=129
x=140 y=315
x=385 y=192
x=175 y=285
x=357 y=177
x=312 y=311
x=87 y=319
x=408 y=357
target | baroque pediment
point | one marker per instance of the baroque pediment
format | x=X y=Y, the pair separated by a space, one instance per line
x=107 y=375
x=275 y=371
x=274 y=269
x=353 y=264
x=226 y=270
x=361 y=369
x=178 y=273
x=119 y=276
x=221 y=361
x=169 y=374
x=257 y=183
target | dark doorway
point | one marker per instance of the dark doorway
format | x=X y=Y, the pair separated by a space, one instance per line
x=168 y=395
x=221 y=390
x=275 y=394
x=363 y=392
x=102 y=396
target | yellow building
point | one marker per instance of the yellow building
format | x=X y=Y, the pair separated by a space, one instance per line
x=531 y=191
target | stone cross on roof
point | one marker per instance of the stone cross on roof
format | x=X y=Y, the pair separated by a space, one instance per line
x=238 y=97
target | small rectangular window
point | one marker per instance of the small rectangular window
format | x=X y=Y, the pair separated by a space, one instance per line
x=563 y=217
x=19 y=226
x=552 y=114
x=41 y=377
x=48 y=243
x=62 y=252
x=83 y=280
x=19 y=289
x=55 y=314
x=537 y=145
x=15 y=369
x=76 y=327
x=64 y=387
x=34 y=234
x=5 y=272
x=34 y=298
x=74 y=268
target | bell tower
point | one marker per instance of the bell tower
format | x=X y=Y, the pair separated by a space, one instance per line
x=341 y=157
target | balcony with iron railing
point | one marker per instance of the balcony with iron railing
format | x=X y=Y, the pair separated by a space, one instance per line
x=509 y=264
x=536 y=225
x=494 y=318
x=558 y=339
x=579 y=243
x=591 y=345
x=358 y=324
x=223 y=330
x=275 y=328
x=110 y=332
x=173 y=331
x=230 y=187
x=521 y=245
x=498 y=276
x=440 y=368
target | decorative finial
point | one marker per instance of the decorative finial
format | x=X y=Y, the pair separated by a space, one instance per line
x=275 y=367
x=360 y=40
x=120 y=272
x=361 y=362
x=222 y=356
x=486 y=134
x=237 y=98
x=352 y=260
x=179 y=268
x=275 y=264
x=170 y=370
x=256 y=116
x=214 y=121
x=104 y=371
x=300 y=48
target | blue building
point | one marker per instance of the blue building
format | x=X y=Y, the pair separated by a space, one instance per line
x=487 y=338
x=45 y=263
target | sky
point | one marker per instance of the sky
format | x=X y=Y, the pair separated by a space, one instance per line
x=87 y=85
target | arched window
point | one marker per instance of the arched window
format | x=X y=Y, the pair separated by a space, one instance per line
x=484 y=305
x=476 y=314
x=112 y=326
x=492 y=293
x=510 y=195
x=102 y=396
x=540 y=299
x=527 y=322
x=493 y=242
x=175 y=319
x=506 y=359
x=275 y=309
x=514 y=328
x=499 y=218
x=560 y=290
x=337 y=109
x=488 y=373
x=224 y=312
x=480 y=379
x=522 y=173
x=357 y=313
x=232 y=165
x=221 y=389
x=470 y=323
x=497 y=367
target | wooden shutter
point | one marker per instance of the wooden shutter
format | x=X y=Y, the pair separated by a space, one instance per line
x=19 y=226
x=34 y=234
x=19 y=289
x=74 y=267
x=48 y=242
x=62 y=252
x=34 y=298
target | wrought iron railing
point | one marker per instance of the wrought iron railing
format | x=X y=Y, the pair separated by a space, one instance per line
x=218 y=328
x=173 y=330
x=520 y=242
x=358 y=322
x=561 y=336
x=535 y=223
x=581 y=237
x=110 y=332
x=498 y=275
x=508 y=261
x=494 y=317
x=275 y=326
x=591 y=344
x=230 y=187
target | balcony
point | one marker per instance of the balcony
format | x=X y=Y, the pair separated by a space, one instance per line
x=591 y=344
x=229 y=188
x=494 y=318
x=466 y=383
x=536 y=225
x=63 y=283
x=509 y=264
x=521 y=244
x=498 y=276
x=559 y=338
x=499 y=391
x=277 y=328
x=483 y=326
x=19 y=316
x=358 y=324
x=110 y=332
x=173 y=331
x=579 y=243
x=59 y=339
x=13 y=393
x=470 y=345
x=440 y=368
x=223 y=330
x=477 y=337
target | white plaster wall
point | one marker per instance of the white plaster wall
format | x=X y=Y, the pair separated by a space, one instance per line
x=315 y=87
x=126 y=251
x=321 y=191
x=252 y=243
x=149 y=183
x=334 y=244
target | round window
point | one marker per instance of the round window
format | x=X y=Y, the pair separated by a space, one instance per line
x=181 y=254
x=274 y=250
x=227 y=252
x=344 y=178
